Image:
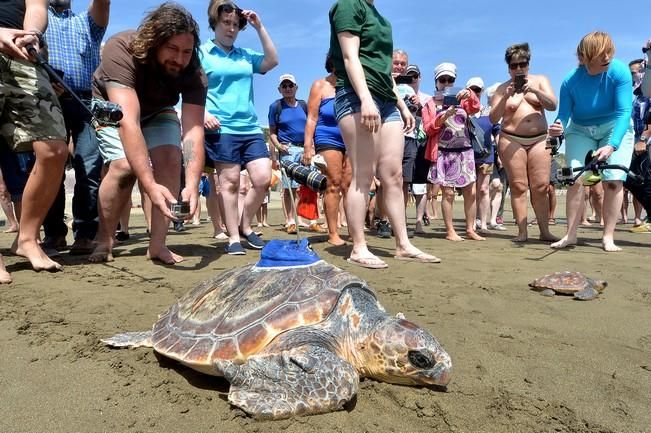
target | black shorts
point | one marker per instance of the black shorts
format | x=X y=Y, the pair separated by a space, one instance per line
x=409 y=159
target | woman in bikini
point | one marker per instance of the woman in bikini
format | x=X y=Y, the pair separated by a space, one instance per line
x=521 y=144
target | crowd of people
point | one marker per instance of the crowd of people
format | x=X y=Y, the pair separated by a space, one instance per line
x=378 y=136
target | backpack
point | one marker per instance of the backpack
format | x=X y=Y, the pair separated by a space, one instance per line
x=278 y=108
x=476 y=134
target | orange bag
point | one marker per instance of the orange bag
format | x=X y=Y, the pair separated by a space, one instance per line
x=307 y=203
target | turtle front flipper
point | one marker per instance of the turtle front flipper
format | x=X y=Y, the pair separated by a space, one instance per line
x=301 y=381
x=129 y=339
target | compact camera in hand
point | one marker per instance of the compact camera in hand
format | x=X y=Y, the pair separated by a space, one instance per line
x=106 y=112
x=180 y=210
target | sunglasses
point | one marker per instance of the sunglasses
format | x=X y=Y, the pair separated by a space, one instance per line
x=446 y=80
x=475 y=89
x=287 y=86
x=518 y=65
x=228 y=8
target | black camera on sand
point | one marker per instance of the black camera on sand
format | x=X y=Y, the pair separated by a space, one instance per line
x=106 y=112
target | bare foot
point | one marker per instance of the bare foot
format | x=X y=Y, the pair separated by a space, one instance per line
x=11 y=229
x=586 y=223
x=164 y=255
x=265 y=224
x=474 y=236
x=32 y=251
x=103 y=252
x=454 y=237
x=5 y=277
x=521 y=238
x=609 y=246
x=563 y=243
x=548 y=237
x=336 y=241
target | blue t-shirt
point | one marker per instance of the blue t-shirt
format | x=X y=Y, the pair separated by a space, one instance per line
x=591 y=100
x=489 y=130
x=291 y=123
x=230 y=87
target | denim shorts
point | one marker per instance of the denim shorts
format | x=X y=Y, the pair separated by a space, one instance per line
x=159 y=129
x=235 y=149
x=579 y=140
x=347 y=102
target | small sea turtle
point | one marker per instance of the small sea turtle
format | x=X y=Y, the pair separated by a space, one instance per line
x=569 y=283
x=292 y=340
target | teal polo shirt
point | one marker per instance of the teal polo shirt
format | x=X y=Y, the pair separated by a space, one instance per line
x=230 y=87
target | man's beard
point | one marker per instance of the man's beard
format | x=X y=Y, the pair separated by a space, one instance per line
x=60 y=4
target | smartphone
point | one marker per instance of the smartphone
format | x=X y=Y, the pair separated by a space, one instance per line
x=181 y=209
x=449 y=100
x=518 y=82
x=404 y=79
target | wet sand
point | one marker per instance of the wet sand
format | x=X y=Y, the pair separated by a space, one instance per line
x=523 y=362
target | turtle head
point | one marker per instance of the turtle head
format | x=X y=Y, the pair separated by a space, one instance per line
x=399 y=351
x=599 y=285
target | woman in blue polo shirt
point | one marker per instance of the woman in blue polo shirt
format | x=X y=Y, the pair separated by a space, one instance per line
x=234 y=139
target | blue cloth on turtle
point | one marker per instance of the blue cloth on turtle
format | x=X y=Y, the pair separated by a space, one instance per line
x=287 y=253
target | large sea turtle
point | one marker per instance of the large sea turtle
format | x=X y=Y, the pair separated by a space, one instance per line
x=569 y=283
x=292 y=340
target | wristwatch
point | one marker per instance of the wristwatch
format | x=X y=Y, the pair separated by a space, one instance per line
x=645 y=138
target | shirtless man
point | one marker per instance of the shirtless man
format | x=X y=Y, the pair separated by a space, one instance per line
x=521 y=145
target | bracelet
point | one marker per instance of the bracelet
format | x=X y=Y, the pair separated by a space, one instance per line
x=39 y=35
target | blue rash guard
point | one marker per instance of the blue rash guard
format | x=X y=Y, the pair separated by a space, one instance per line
x=591 y=100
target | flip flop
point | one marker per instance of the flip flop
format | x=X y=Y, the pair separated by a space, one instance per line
x=368 y=262
x=419 y=258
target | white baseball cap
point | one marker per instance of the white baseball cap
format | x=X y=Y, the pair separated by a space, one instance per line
x=287 y=77
x=476 y=82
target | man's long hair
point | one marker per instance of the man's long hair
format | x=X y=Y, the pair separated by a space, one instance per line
x=167 y=20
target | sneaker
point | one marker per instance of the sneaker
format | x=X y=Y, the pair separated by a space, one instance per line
x=644 y=228
x=178 y=226
x=498 y=227
x=383 y=229
x=54 y=243
x=235 y=249
x=253 y=240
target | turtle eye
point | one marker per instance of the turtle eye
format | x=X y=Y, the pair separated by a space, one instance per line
x=420 y=359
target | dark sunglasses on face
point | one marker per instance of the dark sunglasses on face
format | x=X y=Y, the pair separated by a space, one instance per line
x=518 y=65
x=287 y=86
x=475 y=89
x=446 y=80
x=228 y=8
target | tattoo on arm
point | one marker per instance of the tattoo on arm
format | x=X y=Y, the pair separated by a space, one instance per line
x=188 y=151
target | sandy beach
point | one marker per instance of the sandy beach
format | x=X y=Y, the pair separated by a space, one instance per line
x=523 y=362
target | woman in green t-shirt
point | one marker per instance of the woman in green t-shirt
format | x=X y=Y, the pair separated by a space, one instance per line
x=369 y=113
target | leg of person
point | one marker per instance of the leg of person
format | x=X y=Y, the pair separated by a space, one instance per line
x=165 y=160
x=637 y=207
x=614 y=185
x=514 y=157
x=597 y=203
x=54 y=228
x=447 y=203
x=362 y=154
x=470 y=211
x=434 y=193
x=624 y=209
x=229 y=181
x=123 y=233
x=389 y=170
x=421 y=207
x=213 y=205
x=41 y=189
x=87 y=162
x=613 y=198
x=483 y=195
x=260 y=177
x=7 y=207
x=335 y=160
x=551 y=194
x=538 y=167
x=113 y=195
x=495 y=201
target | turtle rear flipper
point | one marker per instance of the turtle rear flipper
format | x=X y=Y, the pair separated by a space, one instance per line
x=129 y=339
x=306 y=380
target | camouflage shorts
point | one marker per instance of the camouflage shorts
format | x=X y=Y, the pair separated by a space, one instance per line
x=29 y=108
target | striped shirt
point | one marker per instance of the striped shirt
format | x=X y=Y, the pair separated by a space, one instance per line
x=74 y=42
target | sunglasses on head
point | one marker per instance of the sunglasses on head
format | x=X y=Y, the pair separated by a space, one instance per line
x=287 y=85
x=228 y=8
x=475 y=89
x=518 y=65
x=446 y=80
